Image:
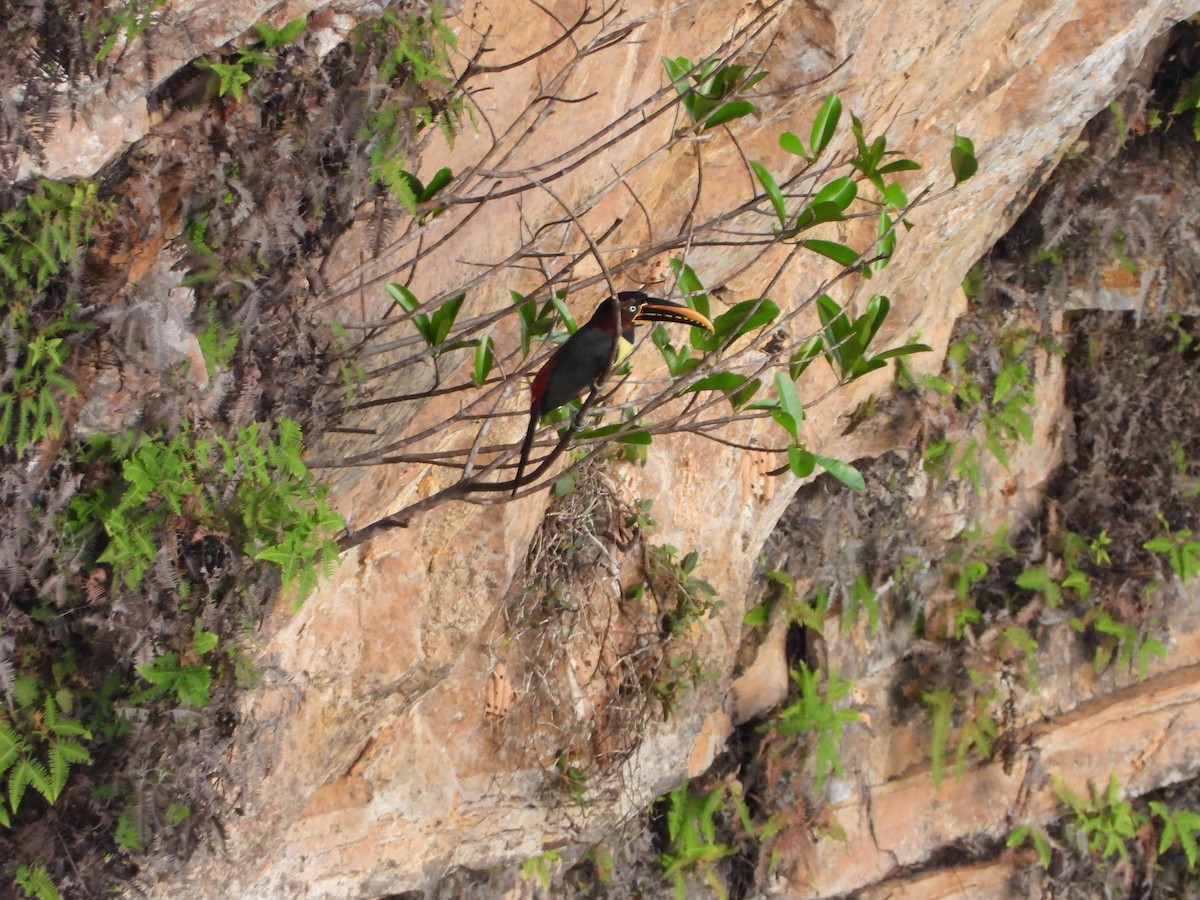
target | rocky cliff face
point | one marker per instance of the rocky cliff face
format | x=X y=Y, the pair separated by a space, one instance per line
x=427 y=710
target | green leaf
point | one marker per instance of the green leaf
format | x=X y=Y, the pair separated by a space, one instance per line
x=878 y=308
x=834 y=320
x=728 y=113
x=802 y=358
x=1037 y=579
x=204 y=642
x=962 y=159
x=737 y=388
x=130 y=830
x=163 y=670
x=825 y=125
x=1159 y=545
x=718 y=381
x=752 y=80
x=887 y=238
x=689 y=284
x=440 y=179
x=485 y=358
x=906 y=350
x=840 y=192
x=689 y=562
x=895 y=196
x=443 y=320
x=745 y=394
x=292 y=29
x=564 y=313
x=677 y=70
x=62 y=755
x=757 y=615
x=177 y=812
x=603 y=431
x=18 y=781
x=786 y=422
x=637 y=438
x=7 y=402
x=412 y=193
x=839 y=253
x=801 y=462
x=789 y=398
x=793 y=145
x=1188 y=823
x=407 y=301
x=532 y=324
x=10 y=747
x=875 y=155
x=898 y=165
x=863 y=160
x=842 y=471
x=811 y=215
x=771 y=188
x=1040 y=843
x=742 y=318
x=192 y=685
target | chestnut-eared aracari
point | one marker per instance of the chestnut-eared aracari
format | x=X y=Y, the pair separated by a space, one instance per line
x=585 y=358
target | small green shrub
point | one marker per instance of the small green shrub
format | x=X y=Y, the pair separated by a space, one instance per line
x=1182 y=552
x=413 y=50
x=1105 y=825
x=1178 y=826
x=1006 y=417
x=254 y=488
x=1104 y=820
x=540 y=867
x=128 y=20
x=42 y=242
x=1039 y=839
x=815 y=711
x=691 y=830
x=169 y=675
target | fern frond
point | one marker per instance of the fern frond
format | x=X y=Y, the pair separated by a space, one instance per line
x=27 y=772
x=11 y=747
x=63 y=754
x=7 y=678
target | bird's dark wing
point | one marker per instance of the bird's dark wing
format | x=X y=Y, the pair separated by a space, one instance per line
x=575 y=366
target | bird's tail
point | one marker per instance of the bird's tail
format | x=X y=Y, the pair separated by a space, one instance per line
x=526 y=448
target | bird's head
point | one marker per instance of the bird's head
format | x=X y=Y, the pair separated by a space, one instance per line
x=637 y=306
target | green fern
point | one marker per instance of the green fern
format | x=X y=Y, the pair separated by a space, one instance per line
x=35 y=881
x=41 y=242
x=691 y=832
x=815 y=711
x=941 y=707
x=414 y=53
x=131 y=832
x=130 y=19
x=21 y=765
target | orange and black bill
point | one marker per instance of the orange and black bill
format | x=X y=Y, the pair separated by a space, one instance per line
x=658 y=310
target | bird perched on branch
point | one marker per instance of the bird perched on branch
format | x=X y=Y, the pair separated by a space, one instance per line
x=586 y=357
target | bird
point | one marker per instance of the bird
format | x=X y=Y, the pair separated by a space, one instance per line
x=586 y=357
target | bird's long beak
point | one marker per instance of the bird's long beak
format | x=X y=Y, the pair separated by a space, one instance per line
x=656 y=310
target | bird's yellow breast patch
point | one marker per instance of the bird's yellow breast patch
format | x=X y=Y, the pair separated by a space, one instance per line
x=623 y=348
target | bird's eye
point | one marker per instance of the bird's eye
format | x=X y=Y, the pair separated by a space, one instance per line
x=632 y=308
